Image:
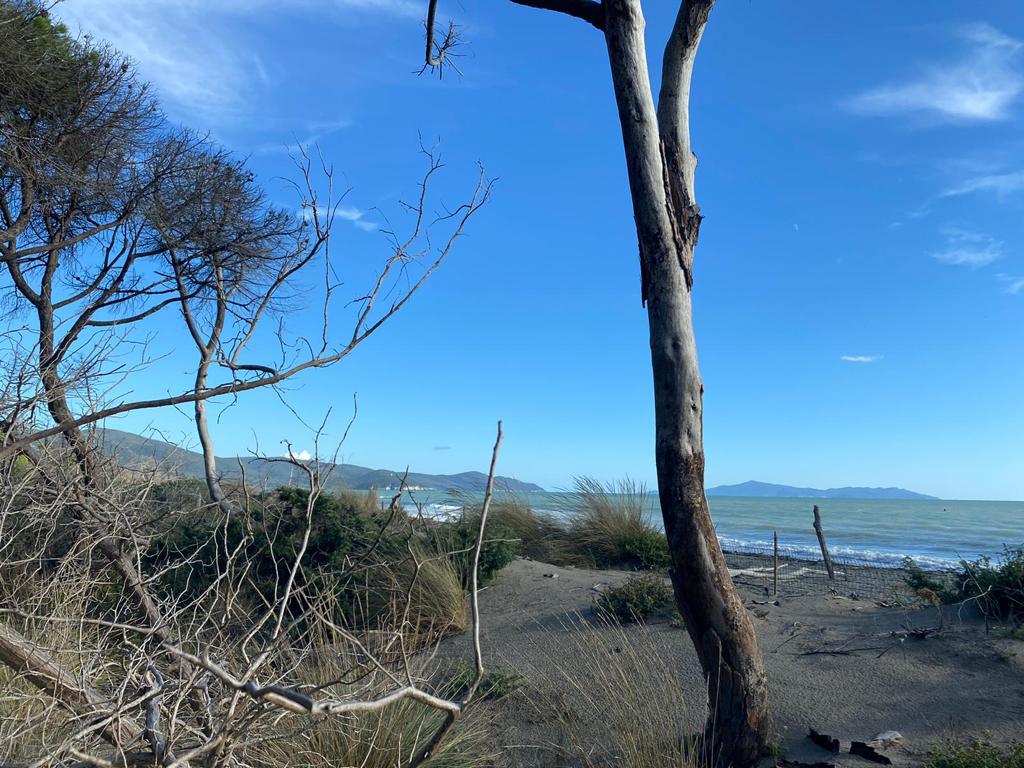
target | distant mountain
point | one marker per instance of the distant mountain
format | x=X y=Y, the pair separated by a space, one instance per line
x=771 y=490
x=136 y=451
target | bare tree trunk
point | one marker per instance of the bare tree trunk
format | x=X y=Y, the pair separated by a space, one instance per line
x=661 y=171
x=206 y=442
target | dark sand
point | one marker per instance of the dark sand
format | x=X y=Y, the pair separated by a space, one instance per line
x=847 y=667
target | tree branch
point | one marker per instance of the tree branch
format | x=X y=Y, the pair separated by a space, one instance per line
x=591 y=11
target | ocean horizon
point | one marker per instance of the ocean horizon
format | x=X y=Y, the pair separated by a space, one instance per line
x=936 y=534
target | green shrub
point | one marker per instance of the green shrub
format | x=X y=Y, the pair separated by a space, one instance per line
x=1011 y=633
x=610 y=526
x=997 y=586
x=976 y=754
x=501 y=546
x=934 y=587
x=267 y=538
x=635 y=599
x=646 y=549
x=496 y=684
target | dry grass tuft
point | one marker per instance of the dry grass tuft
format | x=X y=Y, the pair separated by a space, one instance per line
x=420 y=596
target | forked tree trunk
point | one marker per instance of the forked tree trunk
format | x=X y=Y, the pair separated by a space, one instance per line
x=661 y=171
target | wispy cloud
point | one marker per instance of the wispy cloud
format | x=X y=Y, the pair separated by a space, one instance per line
x=1001 y=184
x=315 y=132
x=966 y=248
x=1014 y=283
x=357 y=217
x=981 y=85
x=860 y=358
x=195 y=52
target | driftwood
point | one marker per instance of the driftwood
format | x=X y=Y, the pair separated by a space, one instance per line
x=824 y=741
x=861 y=749
x=823 y=544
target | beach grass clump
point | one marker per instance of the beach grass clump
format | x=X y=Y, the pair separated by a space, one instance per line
x=620 y=702
x=610 y=527
x=540 y=536
x=635 y=599
x=537 y=534
x=422 y=596
x=979 y=753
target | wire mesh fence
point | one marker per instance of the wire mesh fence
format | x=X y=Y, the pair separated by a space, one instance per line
x=757 y=566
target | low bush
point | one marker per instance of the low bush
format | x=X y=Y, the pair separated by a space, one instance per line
x=496 y=684
x=976 y=754
x=934 y=587
x=1011 y=633
x=501 y=546
x=997 y=585
x=268 y=538
x=635 y=599
x=610 y=526
x=347 y=530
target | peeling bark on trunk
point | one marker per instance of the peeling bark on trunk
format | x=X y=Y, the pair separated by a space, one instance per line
x=661 y=172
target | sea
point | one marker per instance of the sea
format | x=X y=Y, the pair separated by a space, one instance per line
x=936 y=534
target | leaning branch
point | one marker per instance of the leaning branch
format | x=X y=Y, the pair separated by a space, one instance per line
x=438 y=47
x=590 y=11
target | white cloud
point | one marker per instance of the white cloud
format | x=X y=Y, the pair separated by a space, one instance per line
x=1001 y=184
x=192 y=50
x=981 y=86
x=860 y=358
x=971 y=249
x=300 y=455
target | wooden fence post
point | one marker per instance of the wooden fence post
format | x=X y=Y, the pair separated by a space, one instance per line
x=775 y=566
x=822 y=543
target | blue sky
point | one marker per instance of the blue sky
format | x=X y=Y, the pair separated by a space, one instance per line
x=860 y=276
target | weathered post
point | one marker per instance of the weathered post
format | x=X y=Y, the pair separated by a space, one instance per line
x=823 y=544
x=775 y=566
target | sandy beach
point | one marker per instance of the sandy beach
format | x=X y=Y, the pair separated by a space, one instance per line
x=851 y=668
